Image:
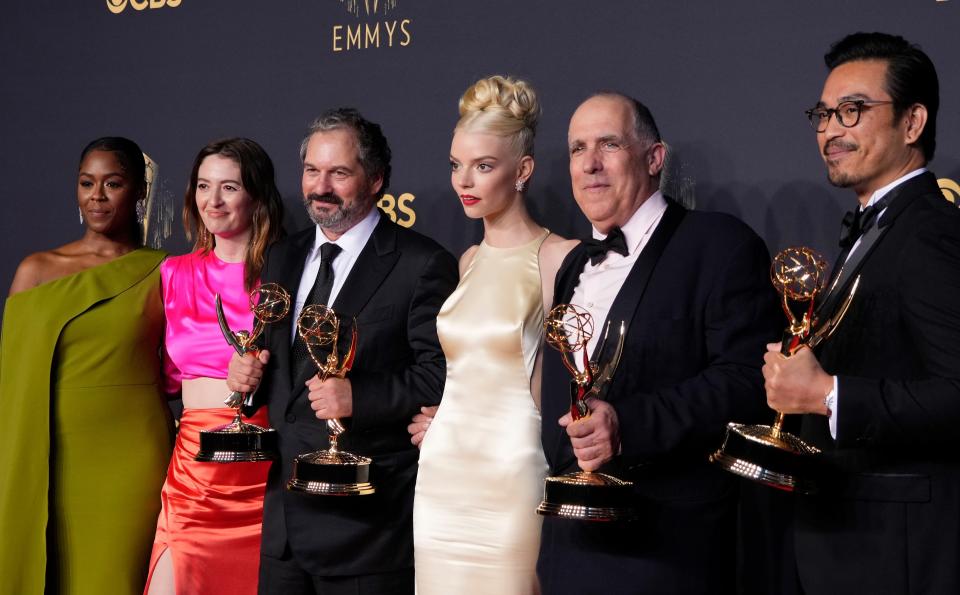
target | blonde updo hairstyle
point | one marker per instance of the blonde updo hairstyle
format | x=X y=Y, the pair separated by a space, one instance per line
x=502 y=106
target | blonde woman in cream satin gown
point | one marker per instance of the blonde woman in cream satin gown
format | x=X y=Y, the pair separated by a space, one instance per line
x=482 y=466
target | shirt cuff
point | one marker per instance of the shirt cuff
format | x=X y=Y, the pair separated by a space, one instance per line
x=831 y=401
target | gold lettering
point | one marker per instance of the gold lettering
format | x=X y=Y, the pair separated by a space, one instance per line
x=373 y=39
x=402 y=203
x=386 y=205
x=353 y=38
x=139 y=4
x=115 y=6
x=390 y=26
x=950 y=189
x=173 y=3
x=157 y=3
x=337 y=38
x=403 y=29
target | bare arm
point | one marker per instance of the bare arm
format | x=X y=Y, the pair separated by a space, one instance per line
x=467 y=258
x=28 y=275
x=552 y=252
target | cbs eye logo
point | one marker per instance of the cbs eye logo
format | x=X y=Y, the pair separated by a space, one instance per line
x=950 y=189
x=118 y=6
x=390 y=205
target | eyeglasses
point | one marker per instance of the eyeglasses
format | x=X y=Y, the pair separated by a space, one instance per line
x=847 y=112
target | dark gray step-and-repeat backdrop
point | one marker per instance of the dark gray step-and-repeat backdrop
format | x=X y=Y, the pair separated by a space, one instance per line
x=727 y=82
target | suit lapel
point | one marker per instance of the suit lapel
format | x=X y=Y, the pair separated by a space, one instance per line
x=376 y=260
x=631 y=294
x=568 y=275
x=900 y=198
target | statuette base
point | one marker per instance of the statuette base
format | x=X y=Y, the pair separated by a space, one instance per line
x=767 y=456
x=587 y=496
x=237 y=442
x=331 y=473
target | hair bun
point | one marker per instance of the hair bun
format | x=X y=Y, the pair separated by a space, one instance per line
x=507 y=95
x=503 y=106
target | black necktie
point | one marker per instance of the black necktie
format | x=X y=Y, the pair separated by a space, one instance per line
x=598 y=249
x=858 y=222
x=301 y=364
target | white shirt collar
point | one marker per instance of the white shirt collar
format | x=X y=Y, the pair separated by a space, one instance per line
x=353 y=240
x=883 y=191
x=639 y=223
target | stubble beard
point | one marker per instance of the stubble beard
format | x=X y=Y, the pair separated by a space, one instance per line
x=837 y=176
x=340 y=219
x=842 y=179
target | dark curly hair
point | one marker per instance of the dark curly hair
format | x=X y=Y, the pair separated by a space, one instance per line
x=374 y=151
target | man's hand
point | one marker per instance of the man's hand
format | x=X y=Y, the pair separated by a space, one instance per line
x=245 y=373
x=595 y=439
x=421 y=422
x=795 y=384
x=331 y=398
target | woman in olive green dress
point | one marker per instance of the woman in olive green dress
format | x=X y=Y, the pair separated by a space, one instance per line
x=87 y=433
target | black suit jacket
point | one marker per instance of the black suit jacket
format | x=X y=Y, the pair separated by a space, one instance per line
x=394 y=291
x=887 y=519
x=691 y=363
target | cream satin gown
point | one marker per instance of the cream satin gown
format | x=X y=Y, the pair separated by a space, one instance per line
x=481 y=473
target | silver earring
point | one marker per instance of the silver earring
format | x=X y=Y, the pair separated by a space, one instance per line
x=520 y=185
x=79 y=210
x=141 y=209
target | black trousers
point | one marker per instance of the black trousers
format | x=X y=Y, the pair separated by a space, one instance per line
x=284 y=576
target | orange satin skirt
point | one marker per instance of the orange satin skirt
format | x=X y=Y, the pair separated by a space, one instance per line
x=211 y=514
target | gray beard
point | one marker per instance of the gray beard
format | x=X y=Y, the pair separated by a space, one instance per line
x=342 y=219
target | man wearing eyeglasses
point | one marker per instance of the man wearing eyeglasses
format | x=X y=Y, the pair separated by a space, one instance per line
x=882 y=395
x=693 y=291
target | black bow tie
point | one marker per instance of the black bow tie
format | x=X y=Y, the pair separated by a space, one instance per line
x=858 y=222
x=615 y=242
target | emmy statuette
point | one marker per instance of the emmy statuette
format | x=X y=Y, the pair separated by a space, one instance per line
x=584 y=495
x=239 y=441
x=768 y=454
x=330 y=472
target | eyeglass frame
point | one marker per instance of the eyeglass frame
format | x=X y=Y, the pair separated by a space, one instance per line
x=835 y=112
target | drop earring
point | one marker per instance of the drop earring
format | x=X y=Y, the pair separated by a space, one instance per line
x=79 y=210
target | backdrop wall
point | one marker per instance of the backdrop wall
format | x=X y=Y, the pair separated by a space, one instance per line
x=727 y=82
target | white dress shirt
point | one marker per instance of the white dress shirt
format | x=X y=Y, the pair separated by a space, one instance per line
x=832 y=399
x=599 y=284
x=351 y=244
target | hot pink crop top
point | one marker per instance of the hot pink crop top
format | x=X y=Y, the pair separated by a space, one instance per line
x=193 y=344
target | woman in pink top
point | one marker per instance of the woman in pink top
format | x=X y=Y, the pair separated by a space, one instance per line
x=208 y=533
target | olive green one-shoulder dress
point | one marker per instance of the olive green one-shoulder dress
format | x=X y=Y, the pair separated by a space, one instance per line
x=86 y=432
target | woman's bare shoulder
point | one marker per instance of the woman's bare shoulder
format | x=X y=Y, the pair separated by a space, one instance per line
x=47 y=265
x=555 y=248
x=467 y=257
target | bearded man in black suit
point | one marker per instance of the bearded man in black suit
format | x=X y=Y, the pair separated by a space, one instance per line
x=881 y=397
x=392 y=281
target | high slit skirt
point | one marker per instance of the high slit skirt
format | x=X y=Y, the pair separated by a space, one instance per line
x=211 y=514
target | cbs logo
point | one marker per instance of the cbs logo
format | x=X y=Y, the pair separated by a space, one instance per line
x=395 y=207
x=950 y=189
x=118 y=6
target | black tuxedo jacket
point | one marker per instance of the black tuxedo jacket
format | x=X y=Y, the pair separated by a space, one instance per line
x=696 y=334
x=394 y=291
x=887 y=519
